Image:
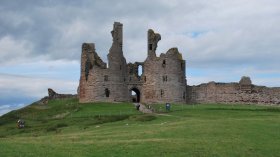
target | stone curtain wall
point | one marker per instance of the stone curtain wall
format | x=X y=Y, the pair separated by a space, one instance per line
x=233 y=93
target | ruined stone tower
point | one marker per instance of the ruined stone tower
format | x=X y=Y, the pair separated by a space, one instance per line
x=165 y=79
x=162 y=80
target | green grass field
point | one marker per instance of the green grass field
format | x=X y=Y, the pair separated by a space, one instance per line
x=67 y=128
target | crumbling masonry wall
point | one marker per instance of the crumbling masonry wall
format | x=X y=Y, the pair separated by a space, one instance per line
x=162 y=80
x=99 y=83
x=243 y=92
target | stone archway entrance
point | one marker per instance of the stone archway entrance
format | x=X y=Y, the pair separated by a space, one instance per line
x=135 y=94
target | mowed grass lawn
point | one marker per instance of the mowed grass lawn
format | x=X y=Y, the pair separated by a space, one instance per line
x=67 y=128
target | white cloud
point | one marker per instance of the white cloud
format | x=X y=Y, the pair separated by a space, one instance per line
x=7 y=108
x=57 y=69
x=232 y=29
x=11 y=85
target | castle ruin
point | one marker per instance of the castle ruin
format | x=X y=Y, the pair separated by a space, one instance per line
x=162 y=80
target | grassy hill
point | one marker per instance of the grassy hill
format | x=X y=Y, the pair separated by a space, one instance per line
x=67 y=128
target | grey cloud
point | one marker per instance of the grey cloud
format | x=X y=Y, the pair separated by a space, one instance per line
x=48 y=24
x=235 y=34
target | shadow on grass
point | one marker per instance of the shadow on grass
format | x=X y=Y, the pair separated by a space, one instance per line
x=143 y=118
x=56 y=126
x=100 y=119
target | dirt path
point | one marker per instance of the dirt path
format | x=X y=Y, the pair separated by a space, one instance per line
x=143 y=108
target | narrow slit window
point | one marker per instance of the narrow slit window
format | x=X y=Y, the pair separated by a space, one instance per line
x=107 y=92
x=139 y=70
x=150 y=46
x=161 y=93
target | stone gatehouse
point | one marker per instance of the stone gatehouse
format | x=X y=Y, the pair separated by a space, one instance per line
x=163 y=77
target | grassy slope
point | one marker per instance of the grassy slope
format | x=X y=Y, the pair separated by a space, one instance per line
x=66 y=128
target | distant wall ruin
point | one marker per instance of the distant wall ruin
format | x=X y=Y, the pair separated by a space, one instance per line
x=243 y=92
x=52 y=95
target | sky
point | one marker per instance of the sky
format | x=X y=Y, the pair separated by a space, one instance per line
x=221 y=40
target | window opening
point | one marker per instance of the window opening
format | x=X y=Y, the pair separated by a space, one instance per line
x=150 y=46
x=163 y=63
x=107 y=92
x=140 y=70
x=161 y=92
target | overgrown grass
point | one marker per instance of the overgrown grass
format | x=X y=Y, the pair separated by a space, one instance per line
x=67 y=128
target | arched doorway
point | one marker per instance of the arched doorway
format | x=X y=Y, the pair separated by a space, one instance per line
x=135 y=94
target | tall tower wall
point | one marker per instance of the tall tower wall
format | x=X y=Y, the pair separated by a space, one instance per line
x=117 y=75
x=165 y=75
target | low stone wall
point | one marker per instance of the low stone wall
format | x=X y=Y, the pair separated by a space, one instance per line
x=53 y=95
x=243 y=93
